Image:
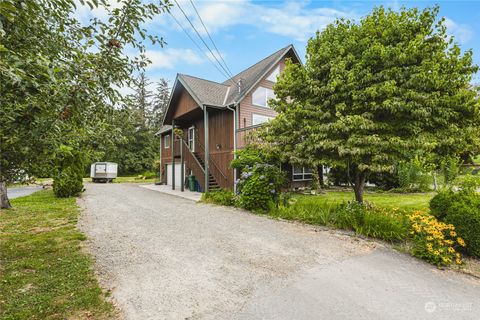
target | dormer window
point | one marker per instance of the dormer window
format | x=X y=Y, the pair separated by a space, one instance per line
x=261 y=96
x=275 y=73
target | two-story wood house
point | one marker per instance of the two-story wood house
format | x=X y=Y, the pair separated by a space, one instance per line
x=214 y=118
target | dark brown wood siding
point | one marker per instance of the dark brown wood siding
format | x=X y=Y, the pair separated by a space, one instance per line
x=220 y=146
x=184 y=105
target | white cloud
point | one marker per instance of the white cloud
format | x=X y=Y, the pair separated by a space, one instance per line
x=84 y=13
x=171 y=57
x=291 y=19
x=462 y=33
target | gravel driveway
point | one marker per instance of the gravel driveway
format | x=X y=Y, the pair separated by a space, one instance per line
x=164 y=257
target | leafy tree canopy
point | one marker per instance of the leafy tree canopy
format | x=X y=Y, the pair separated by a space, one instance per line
x=60 y=78
x=375 y=92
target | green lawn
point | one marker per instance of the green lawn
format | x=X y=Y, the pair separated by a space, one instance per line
x=44 y=273
x=405 y=201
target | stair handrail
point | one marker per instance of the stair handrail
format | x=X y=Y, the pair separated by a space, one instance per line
x=196 y=160
x=212 y=160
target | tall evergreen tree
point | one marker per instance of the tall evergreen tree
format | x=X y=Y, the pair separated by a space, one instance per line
x=142 y=98
x=160 y=102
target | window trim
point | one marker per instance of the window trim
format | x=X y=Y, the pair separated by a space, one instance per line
x=166 y=138
x=303 y=174
x=192 y=138
x=266 y=97
x=261 y=115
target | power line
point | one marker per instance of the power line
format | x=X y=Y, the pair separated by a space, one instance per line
x=201 y=38
x=198 y=46
x=209 y=36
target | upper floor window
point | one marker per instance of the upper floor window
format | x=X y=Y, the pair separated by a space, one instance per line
x=258 y=119
x=275 y=73
x=166 y=141
x=261 y=96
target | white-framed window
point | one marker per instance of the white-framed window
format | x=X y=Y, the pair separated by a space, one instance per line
x=259 y=118
x=166 y=141
x=275 y=73
x=261 y=95
x=301 y=173
x=191 y=138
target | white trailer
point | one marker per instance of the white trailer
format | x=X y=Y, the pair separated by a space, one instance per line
x=103 y=171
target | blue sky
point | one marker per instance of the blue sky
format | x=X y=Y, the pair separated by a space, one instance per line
x=246 y=31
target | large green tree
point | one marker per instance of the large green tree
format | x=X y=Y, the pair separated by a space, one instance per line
x=60 y=77
x=376 y=92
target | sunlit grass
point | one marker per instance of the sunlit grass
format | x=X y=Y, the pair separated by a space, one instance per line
x=44 y=273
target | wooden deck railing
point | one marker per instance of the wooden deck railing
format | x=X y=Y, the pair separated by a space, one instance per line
x=213 y=167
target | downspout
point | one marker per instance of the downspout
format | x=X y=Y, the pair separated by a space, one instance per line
x=235 y=118
x=160 y=162
x=173 y=154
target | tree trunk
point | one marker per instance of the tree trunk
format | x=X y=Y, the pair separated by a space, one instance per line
x=320 y=175
x=359 y=185
x=4 y=203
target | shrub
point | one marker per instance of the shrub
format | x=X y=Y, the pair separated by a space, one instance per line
x=415 y=175
x=441 y=202
x=261 y=178
x=434 y=241
x=467 y=221
x=384 y=180
x=370 y=221
x=68 y=175
x=462 y=209
x=259 y=187
x=221 y=197
x=450 y=167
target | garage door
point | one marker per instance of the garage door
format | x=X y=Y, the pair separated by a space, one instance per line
x=178 y=178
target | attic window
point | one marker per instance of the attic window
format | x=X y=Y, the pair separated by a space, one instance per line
x=275 y=73
x=261 y=96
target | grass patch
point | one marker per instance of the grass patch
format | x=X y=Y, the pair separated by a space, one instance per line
x=402 y=201
x=384 y=219
x=134 y=179
x=128 y=179
x=43 y=272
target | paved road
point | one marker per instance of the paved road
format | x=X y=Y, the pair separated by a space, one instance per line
x=168 y=258
x=22 y=191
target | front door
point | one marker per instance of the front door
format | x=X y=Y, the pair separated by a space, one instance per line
x=191 y=138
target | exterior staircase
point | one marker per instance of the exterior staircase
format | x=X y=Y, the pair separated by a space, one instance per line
x=212 y=183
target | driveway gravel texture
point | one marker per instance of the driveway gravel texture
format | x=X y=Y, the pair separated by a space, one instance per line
x=164 y=257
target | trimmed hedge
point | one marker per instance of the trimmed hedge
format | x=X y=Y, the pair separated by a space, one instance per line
x=462 y=209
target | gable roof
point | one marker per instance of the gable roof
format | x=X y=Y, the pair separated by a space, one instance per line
x=255 y=73
x=222 y=95
x=207 y=92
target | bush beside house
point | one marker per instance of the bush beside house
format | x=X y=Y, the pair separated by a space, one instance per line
x=462 y=209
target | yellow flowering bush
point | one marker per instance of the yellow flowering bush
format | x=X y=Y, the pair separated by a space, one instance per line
x=433 y=240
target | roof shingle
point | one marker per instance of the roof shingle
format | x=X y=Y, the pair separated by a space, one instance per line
x=223 y=94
